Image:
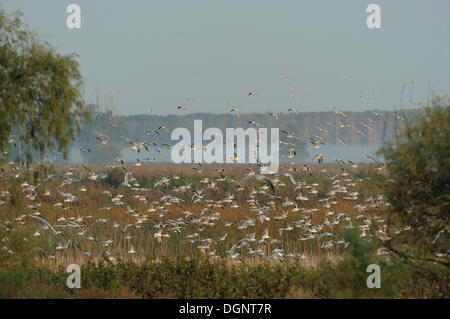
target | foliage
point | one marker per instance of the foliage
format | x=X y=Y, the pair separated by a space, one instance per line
x=419 y=168
x=201 y=278
x=115 y=177
x=40 y=92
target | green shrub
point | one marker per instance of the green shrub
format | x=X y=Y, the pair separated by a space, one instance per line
x=419 y=170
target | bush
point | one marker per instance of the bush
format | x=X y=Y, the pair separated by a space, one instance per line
x=419 y=170
x=201 y=278
x=114 y=178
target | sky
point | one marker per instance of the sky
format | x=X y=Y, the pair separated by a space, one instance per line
x=207 y=55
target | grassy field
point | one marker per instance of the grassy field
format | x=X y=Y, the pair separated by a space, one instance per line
x=139 y=240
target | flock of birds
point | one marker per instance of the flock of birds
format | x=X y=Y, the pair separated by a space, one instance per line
x=279 y=215
x=197 y=214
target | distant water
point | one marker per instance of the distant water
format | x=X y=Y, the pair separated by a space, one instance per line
x=352 y=153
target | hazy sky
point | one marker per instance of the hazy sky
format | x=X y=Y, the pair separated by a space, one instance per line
x=158 y=54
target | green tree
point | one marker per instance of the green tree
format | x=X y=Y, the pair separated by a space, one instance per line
x=419 y=168
x=40 y=92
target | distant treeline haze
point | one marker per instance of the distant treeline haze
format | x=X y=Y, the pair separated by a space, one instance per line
x=355 y=128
